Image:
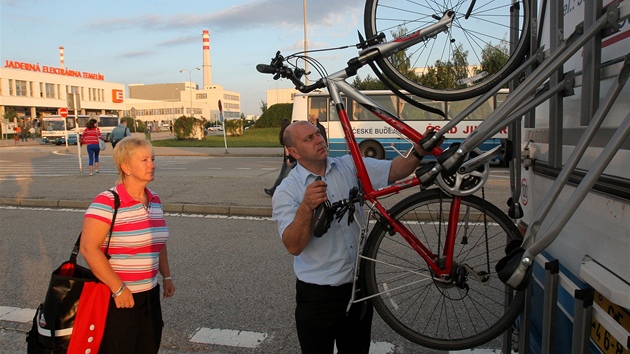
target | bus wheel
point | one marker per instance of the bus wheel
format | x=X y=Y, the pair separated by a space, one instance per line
x=371 y=148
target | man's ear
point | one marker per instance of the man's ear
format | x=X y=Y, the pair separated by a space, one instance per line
x=293 y=152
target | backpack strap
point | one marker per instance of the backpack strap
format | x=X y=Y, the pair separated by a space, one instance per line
x=75 y=250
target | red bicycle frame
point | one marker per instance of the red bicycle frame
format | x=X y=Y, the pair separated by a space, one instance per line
x=370 y=194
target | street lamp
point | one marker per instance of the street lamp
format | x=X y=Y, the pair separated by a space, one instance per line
x=190 y=80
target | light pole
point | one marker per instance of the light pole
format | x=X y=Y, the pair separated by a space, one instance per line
x=190 y=80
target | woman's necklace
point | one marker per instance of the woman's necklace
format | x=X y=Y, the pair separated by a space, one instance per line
x=144 y=205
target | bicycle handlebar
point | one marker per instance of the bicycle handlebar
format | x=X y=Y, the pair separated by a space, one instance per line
x=279 y=70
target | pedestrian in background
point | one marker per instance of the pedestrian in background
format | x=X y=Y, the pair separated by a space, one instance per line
x=24 y=133
x=91 y=136
x=315 y=121
x=288 y=161
x=119 y=133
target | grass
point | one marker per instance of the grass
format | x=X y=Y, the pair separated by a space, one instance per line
x=254 y=137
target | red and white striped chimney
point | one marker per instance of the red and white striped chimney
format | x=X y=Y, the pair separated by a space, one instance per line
x=207 y=67
x=61 y=60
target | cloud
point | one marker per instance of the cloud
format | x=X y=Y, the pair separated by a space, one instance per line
x=135 y=54
x=245 y=17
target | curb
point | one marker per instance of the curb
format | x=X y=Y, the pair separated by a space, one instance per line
x=169 y=208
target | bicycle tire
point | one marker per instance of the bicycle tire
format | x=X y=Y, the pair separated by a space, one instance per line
x=424 y=310
x=488 y=24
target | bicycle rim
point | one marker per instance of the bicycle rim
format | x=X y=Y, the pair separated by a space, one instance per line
x=430 y=312
x=483 y=37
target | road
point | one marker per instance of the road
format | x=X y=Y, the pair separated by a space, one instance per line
x=231 y=273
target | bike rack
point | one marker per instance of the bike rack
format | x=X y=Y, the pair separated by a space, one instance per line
x=530 y=251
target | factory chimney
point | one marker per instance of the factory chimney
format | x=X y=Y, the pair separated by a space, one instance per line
x=207 y=67
x=61 y=60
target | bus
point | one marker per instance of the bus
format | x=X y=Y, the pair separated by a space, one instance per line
x=106 y=123
x=54 y=129
x=379 y=140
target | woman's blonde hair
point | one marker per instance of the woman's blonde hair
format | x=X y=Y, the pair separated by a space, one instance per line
x=125 y=149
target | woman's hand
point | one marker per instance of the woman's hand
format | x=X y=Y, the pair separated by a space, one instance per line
x=169 y=288
x=124 y=300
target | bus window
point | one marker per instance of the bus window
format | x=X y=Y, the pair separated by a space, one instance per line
x=107 y=121
x=357 y=112
x=318 y=106
x=411 y=112
x=456 y=107
x=333 y=112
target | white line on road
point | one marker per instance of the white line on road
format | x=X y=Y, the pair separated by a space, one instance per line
x=228 y=337
x=16 y=314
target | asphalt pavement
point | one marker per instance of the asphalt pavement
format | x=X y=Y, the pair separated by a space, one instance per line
x=203 y=195
x=180 y=194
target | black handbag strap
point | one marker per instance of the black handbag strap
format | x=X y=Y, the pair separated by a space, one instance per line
x=75 y=250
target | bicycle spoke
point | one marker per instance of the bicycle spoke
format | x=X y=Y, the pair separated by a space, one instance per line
x=452 y=312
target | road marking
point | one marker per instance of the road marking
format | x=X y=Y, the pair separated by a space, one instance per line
x=243 y=168
x=228 y=337
x=16 y=314
x=382 y=348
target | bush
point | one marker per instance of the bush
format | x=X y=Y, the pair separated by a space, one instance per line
x=274 y=114
x=234 y=127
x=139 y=127
x=188 y=128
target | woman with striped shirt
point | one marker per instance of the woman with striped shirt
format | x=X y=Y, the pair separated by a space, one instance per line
x=137 y=249
x=90 y=137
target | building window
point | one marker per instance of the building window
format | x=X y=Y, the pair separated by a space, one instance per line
x=50 y=90
x=20 y=88
x=202 y=96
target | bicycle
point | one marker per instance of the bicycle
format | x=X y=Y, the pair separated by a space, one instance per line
x=428 y=263
x=444 y=272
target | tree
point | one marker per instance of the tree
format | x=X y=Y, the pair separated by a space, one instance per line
x=445 y=74
x=263 y=106
x=369 y=83
x=272 y=116
x=10 y=114
x=493 y=57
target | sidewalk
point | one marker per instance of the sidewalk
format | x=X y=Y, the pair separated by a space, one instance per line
x=195 y=195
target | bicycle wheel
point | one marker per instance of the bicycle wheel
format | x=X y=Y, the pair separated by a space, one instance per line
x=467 y=61
x=442 y=314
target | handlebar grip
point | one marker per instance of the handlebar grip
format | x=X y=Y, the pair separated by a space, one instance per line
x=266 y=69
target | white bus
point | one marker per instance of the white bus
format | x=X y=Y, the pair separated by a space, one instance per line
x=375 y=137
x=106 y=124
x=55 y=128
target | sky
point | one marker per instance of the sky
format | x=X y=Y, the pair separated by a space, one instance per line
x=148 y=42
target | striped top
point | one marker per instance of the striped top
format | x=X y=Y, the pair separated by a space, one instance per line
x=91 y=136
x=137 y=238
